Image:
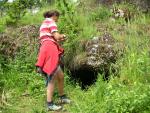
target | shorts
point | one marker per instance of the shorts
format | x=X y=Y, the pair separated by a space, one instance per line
x=48 y=78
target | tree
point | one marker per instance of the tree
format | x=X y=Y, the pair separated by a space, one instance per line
x=32 y=3
x=18 y=8
x=44 y=2
x=15 y=11
x=2 y=6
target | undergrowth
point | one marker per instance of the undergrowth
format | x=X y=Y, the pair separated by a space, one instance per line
x=22 y=89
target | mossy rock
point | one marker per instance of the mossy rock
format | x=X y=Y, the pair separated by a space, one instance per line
x=13 y=39
x=99 y=53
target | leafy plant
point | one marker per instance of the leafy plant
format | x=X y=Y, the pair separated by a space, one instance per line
x=18 y=8
x=2 y=7
x=126 y=93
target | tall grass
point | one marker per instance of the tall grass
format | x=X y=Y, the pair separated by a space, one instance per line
x=127 y=93
x=130 y=91
x=2 y=24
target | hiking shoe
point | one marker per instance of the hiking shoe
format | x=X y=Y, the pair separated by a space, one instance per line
x=64 y=100
x=54 y=107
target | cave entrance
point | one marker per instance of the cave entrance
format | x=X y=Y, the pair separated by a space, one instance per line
x=85 y=76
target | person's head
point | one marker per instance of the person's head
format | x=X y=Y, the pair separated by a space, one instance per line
x=54 y=14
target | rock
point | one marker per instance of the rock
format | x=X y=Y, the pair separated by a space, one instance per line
x=8 y=47
x=13 y=39
x=143 y=5
x=99 y=51
x=97 y=57
x=122 y=13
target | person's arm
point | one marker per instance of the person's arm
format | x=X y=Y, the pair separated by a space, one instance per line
x=58 y=36
x=54 y=31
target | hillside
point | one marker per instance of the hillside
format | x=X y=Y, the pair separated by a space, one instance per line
x=127 y=90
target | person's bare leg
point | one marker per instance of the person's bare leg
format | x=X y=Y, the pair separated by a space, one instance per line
x=50 y=89
x=60 y=81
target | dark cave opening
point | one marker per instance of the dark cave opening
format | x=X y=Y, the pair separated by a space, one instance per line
x=84 y=76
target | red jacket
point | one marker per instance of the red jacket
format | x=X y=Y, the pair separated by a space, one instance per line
x=49 y=55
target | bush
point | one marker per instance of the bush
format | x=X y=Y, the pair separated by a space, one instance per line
x=100 y=13
x=129 y=92
x=18 y=8
x=120 y=98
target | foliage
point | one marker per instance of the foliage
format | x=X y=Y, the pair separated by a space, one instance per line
x=101 y=13
x=129 y=92
x=46 y=2
x=2 y=7
x=32 y=3
x=74 y=25
x=18 y=8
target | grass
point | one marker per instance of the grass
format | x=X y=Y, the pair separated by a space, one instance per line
x=24 y=90
x=2 y=24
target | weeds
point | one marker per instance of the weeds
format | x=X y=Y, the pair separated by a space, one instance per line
x=128 y=92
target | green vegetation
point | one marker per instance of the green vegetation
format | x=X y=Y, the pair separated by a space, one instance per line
x=22 y=89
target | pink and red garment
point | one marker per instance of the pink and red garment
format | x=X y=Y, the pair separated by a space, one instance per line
x=49 y=55
x=50 y=51
x=47 y=28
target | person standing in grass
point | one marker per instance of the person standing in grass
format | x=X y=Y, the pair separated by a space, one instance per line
x=48 y=62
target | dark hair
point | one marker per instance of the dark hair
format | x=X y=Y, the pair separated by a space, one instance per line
x=51 y=13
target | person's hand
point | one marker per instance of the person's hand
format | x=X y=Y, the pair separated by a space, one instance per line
x=63 y=38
